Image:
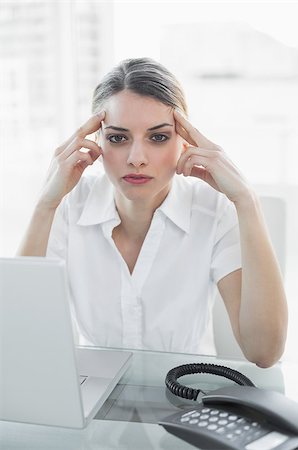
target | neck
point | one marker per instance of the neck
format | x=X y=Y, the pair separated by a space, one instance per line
x=136 y=216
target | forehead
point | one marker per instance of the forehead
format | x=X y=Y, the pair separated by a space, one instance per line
x=128 y=110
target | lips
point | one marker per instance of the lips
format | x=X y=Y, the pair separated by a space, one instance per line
x=135 y=178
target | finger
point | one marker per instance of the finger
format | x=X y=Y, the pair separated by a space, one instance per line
x=192 y=161
x=77 y=144
x=94 y=154
x=184 y=134
x=78 y=157
x=93 y=124
x=194 y=134
x=195 y=151
x=203 y=174
x=199 y=172
x=82 y=165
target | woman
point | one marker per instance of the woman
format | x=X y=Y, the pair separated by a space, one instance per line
x=147 y=242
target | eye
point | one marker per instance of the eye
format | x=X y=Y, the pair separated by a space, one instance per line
x=116 y=138
x=159 y=137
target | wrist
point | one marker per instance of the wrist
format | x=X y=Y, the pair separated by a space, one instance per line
x=247 y=202
x=247 y=198
x=44 y=207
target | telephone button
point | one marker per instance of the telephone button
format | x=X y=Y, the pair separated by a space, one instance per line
x=193 y=421
x=212 y=427
x=222 y=422
x=205 y=410
x=233 y=417
x=203 y=423
x=223 y=414
x=241 y=420
x=213 y=419
x=184 y=419
x=189 y=413
x=204 y=416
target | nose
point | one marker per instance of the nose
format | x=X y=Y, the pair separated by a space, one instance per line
x=137 y=155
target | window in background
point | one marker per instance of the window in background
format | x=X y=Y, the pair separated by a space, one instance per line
x=240 y=87
x=52 y=55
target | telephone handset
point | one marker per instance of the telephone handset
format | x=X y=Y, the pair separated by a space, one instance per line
x=274 y=406
x=234 y=417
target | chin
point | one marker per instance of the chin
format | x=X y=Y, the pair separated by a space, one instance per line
x=136 y=194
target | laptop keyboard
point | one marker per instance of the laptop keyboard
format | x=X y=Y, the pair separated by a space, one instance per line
x=83 y=378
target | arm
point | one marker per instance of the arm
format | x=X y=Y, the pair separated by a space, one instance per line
x=254 y=296
x=66 y=169
x=35 y=241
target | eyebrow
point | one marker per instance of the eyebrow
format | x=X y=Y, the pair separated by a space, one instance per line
x=149 y=129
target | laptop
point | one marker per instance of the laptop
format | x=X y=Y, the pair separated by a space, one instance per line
x=44 y=378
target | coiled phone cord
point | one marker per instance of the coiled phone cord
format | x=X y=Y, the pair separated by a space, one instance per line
x=186 y=369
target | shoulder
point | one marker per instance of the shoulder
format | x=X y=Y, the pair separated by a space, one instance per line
x=90 y=198
x=204 y=198
x=85 y=186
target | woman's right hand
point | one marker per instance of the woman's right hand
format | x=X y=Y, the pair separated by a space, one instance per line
x=69 y=163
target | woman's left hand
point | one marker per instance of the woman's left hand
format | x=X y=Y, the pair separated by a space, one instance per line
x=206 y=160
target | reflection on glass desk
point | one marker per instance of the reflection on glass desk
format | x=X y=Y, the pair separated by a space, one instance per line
x=128 y=419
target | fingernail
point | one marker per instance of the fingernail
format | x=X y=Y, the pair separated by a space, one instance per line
x=180 y=113
x=100 y=114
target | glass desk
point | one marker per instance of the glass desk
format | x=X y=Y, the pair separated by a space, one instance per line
x=128 y=419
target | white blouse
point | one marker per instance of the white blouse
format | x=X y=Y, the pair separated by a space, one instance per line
x=192 y=243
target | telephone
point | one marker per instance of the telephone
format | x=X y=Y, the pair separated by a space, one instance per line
x=234 y=417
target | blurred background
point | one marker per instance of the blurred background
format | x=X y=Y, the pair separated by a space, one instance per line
x=237 y=62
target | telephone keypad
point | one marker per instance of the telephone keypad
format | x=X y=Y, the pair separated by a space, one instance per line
x=226 y=424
